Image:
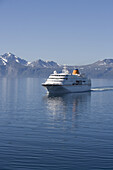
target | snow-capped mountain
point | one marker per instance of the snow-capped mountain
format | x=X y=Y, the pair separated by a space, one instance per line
x=99 y=69
x=44 y=64
x=9 y=57
x=11 y=65
x=105 y=62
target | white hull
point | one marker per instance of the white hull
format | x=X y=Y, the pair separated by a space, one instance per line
x=53 y=89
x=67 y=83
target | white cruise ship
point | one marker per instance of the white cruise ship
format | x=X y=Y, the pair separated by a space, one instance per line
x=66 y=82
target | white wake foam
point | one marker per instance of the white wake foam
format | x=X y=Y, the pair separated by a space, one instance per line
x=102 y=89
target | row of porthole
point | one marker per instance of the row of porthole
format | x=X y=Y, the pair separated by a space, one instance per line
x=78 y=83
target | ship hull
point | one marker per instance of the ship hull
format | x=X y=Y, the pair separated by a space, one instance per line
x=53 y=89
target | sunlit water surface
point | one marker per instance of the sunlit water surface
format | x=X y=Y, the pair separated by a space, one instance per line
x=71 y=131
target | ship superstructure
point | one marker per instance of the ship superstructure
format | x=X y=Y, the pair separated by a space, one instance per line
x=67 y=82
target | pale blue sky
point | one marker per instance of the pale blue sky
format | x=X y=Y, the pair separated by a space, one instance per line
x=66 y=31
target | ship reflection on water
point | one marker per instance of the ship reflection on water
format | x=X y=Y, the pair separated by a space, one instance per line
x=67 y=107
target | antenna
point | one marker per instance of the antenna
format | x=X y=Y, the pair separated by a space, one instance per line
x=65 y=69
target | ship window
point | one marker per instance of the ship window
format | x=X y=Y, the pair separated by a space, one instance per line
x=79 y=82
x=57 y=75
x=57 y=78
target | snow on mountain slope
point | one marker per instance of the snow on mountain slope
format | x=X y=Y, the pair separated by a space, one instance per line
x=104 y=62
x=9 y=57
x=12 y=65
x=3 y=61
x=46 y=64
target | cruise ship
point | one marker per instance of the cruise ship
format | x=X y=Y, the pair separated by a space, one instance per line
x=66 y=82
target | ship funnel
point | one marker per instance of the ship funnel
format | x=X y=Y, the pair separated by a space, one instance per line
x=76 y=71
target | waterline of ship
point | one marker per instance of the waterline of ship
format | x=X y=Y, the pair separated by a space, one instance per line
x=66 y=82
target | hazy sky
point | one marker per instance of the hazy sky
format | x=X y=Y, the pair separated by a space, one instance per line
x=66 y=31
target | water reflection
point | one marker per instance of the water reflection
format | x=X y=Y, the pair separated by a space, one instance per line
x=67 y=106
x=16 y=91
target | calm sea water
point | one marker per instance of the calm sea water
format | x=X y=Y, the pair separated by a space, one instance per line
x=73 y=131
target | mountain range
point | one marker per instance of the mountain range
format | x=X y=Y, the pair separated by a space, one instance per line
x=13 y=66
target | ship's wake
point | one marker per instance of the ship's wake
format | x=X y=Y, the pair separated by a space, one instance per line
x=99 y=89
